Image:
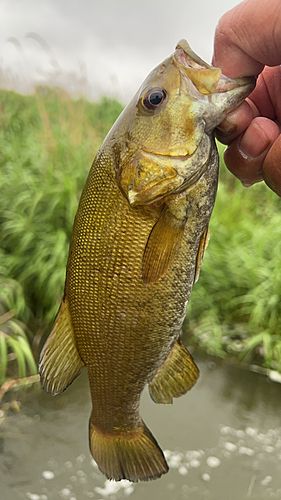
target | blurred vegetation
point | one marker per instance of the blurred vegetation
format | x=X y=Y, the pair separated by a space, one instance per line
x=47 y=143
x=235 y=308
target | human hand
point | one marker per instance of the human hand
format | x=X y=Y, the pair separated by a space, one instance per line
x=248 y=42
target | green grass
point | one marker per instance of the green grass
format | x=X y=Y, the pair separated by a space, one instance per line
x=47 y=143
x=235 y=308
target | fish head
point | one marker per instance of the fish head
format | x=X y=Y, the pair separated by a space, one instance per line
x=167 y=129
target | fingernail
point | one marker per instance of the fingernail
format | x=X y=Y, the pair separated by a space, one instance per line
x=254 y=142
x=247 y=184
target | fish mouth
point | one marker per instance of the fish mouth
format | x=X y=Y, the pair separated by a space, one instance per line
x=207 y=78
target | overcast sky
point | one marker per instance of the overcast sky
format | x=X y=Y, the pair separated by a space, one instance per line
x=99 y=47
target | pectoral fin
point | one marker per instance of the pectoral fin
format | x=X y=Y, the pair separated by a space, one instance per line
x=203 y=243
x=175 y=377
x=161 y=247
x=60 y=362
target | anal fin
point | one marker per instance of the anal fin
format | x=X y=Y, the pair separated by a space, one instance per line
x=175 y=377
x=60 y=362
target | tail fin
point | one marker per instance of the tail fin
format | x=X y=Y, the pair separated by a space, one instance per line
x=127 y=454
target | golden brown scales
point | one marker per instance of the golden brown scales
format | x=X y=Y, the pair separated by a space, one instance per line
x=137 y=245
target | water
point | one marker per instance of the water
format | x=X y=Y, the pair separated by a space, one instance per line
x=222 y=442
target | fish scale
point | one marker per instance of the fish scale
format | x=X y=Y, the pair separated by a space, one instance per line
x=136 y=249
x=145 y=319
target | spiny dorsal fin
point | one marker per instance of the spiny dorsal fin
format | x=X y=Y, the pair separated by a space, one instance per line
x=175 y=377
x=161 y=247
x=60 y=362
x=203 y=243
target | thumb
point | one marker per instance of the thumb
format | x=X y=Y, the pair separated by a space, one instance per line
x=248 y=37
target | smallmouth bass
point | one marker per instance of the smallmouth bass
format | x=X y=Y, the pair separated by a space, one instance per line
x=138 y=241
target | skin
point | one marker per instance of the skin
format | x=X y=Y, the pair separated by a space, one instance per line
x=247 y=42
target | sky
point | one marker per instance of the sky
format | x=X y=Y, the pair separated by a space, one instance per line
x=95 y=47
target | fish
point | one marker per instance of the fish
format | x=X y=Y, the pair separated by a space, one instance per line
x=136 y=249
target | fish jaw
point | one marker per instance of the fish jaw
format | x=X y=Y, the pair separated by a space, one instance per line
x=217 y=93
x=229 y=95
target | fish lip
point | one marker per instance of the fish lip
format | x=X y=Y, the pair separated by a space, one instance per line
x=188 y=58
x=185 y=57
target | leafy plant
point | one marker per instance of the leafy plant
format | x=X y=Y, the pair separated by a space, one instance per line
x=14 y=343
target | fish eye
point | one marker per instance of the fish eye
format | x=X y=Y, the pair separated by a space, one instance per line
x=154 y=98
